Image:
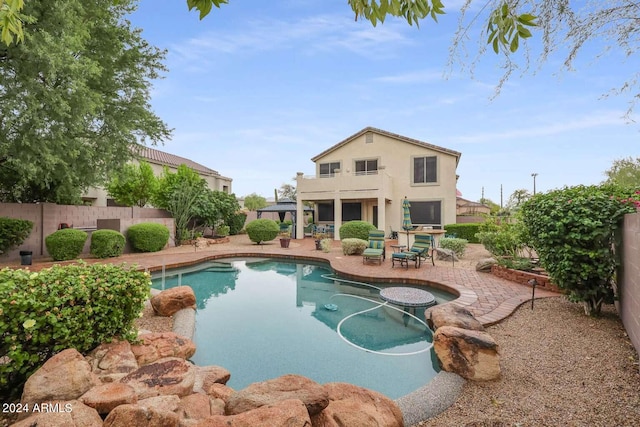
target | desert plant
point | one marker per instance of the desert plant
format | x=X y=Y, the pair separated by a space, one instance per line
x=464 y=231
x=13 y=232
x=356 y=230
x=353 y=246
x=262 y=230
x=325 y=245
x=148 y=236
x=455 y=244
x=107 y=243
x=65 y=244
x=75 y=306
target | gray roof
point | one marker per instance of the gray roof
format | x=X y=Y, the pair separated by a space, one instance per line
x=284 y=205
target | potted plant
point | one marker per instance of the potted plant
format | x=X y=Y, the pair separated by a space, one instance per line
x=285 y=239
x=318 y=238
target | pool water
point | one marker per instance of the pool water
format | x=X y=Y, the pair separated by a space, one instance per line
x=263 y=318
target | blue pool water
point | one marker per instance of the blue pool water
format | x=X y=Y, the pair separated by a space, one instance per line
x=263 y=318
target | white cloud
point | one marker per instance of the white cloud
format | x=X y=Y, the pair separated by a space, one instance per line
x=412 y=77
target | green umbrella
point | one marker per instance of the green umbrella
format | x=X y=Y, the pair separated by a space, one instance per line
x=406 y=217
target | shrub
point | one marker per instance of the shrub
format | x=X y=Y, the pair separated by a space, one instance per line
x=353 y=246
x=222 y=230
x=65 y=244
x=148 y=236
x=236 y=223
x=456 y=245
x=262 y=230
x=464 y=231
x=356 y=230
x=13 y=232
x=61 y=307
x=325 y=245
x=573 y=232
x=107 y=243
x=506 y=240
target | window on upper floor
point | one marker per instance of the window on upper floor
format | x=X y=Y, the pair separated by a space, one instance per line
x=366 y=167
x=328 y=169
x=425 y=170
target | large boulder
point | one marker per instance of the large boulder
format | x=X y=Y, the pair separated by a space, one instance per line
x=206 y=376
x=140 y=416
x=286 y=413
x=354 y=406
x=171 y=375
x=219 y=391
x=484 y=265
x=168 y=302
x=65 y=376
x=451 y=315
x=196 y=406
x=105 y=397
x=446 y=255
x=112 y=361
x=62 y=413
x=278 y=389
x=158 y=345
x=471 y=354
x=169 y=402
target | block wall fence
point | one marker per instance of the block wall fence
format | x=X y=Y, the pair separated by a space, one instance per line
x=46 y=218
x=629 y=279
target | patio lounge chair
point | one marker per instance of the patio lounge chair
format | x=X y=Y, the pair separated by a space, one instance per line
x=422 y=248
x=375 y=250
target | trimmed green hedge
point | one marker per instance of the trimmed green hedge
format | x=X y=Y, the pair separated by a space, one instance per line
x=262 y=230
x=65 y=244
x=356 y=230
x=74 y=306
x=148 y=236
x=107 y=243
x=464 y=231
x=13 y=232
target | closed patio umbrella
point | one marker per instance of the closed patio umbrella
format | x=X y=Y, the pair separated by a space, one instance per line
x=406 y=217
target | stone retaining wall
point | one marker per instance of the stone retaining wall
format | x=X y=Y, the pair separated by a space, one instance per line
x=523 y=277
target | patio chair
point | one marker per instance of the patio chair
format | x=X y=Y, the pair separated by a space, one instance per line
x=422 y=248
x=375 y=250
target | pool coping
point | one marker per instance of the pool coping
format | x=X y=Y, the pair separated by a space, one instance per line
x=419 y=405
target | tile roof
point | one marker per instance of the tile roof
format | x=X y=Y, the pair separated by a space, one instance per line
x=160 y=157
x=457 y=154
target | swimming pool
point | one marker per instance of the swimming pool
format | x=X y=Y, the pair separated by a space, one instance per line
x=263 y=318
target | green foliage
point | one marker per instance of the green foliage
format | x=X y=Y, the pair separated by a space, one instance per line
x=74 y=99
x=65 y=244
x=501 y=237
x=204 y=6
x=464 y=231
x=505 y=28
x=133 y=185
x=573 y=230
x=222 y=230
x=262 y=230
x=353 y=246
x=625 y=173
x=215 y=208
x=75 y=306
x=236 y=222
x=455 y=244
x=107 y=243
x=148 y=237
x=356 y=230
x=413 y=11
x=522 y=264
x=253 y=202
x=13 y=232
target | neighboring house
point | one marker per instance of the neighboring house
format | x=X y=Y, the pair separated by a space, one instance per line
x=467 y=207
x=366 y=177
x=158 y=160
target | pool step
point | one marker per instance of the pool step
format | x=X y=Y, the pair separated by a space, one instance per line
x=220 y=267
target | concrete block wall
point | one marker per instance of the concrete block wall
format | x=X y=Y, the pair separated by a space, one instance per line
x=629 y=279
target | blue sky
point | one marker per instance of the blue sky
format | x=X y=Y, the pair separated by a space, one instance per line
x=259 y=87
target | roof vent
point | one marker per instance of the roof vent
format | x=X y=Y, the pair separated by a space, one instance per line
x=368 y=139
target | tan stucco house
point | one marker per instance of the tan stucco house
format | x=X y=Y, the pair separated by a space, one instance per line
x=97 y=196
x=367 y=175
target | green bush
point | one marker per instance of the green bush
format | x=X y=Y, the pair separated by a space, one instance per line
x=61 y=307
x=65 y=244
x=353 y=246
x=222 y=230
x=236 y=223
x=356 y=230
x=148 y=237
x=573 y=230
x=326 y=244
x=455 y=244
x=107 y=243
x=13 y=232
x=464 y=231
x=262 y=230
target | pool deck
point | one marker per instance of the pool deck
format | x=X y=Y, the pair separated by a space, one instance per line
x=489 y=298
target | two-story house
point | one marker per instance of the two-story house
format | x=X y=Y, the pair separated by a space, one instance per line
x=367 y=175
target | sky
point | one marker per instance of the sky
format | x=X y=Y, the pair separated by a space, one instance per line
x=258 y=88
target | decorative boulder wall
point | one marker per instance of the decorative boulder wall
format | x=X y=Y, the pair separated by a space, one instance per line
x=461 y=343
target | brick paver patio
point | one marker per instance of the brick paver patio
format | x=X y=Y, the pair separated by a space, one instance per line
x=489 y=298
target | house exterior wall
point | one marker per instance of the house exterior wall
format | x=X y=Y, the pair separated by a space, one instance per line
x=389 y=186
x=629 y=283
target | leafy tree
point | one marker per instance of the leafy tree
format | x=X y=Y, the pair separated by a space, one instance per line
x=495 y=208
x=133 y=185
x=517 y=198
x=216 y=208
x=287 y=191
x=253 y=202
x=573 y=232
x=625 y=172
x=74 y=98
